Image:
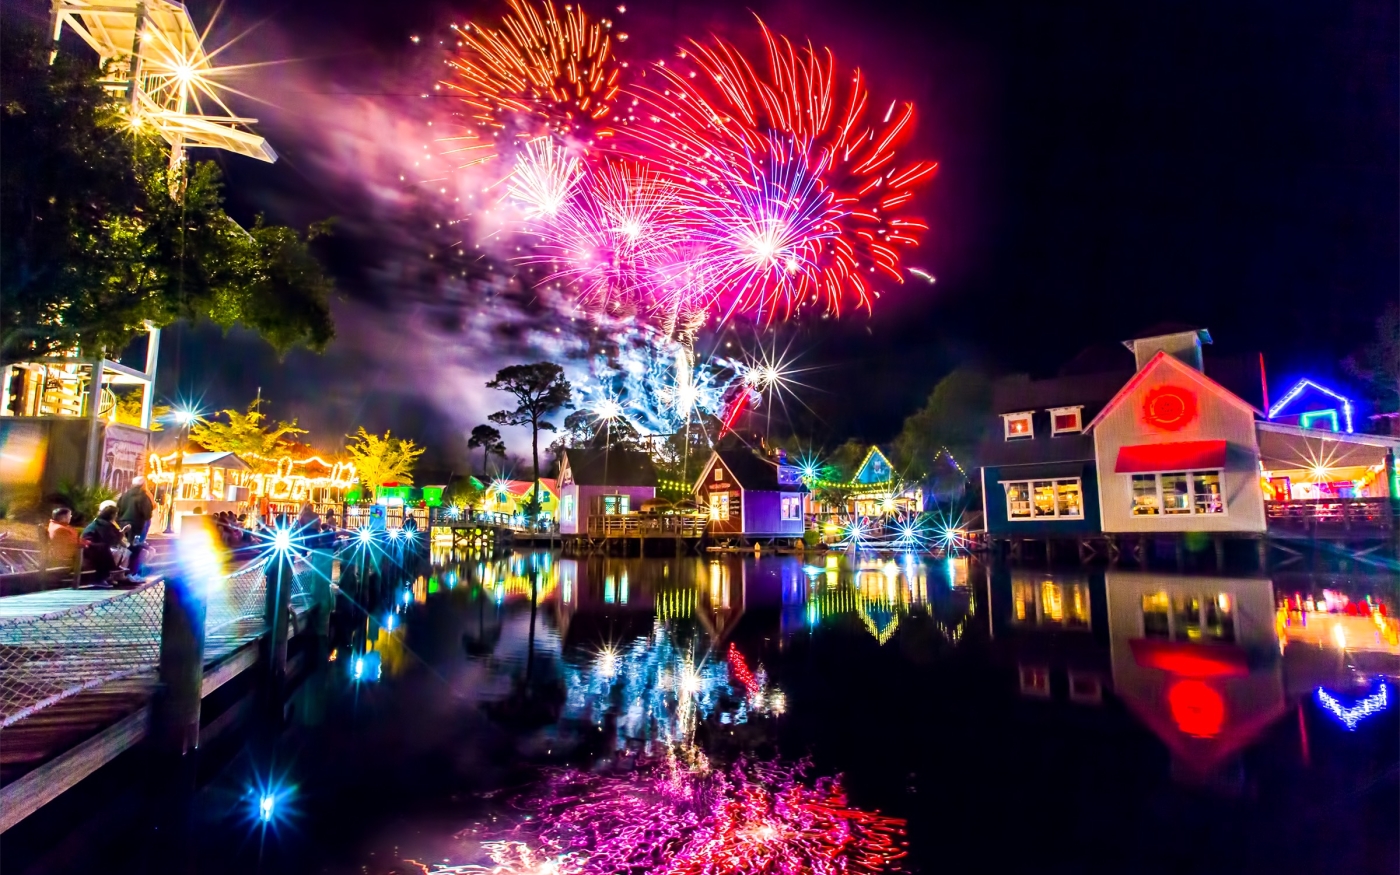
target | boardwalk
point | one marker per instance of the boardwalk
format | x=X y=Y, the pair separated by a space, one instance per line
x=78 y=670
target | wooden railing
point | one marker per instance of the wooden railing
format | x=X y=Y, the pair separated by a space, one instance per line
x=633 y=525
x=1331 y=515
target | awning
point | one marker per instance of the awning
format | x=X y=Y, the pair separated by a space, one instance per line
x=1177 y=456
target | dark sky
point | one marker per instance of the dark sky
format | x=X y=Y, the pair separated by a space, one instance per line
x=1104 y=167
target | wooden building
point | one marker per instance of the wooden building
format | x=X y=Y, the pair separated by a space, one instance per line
x=750 y=496
x=595 y=482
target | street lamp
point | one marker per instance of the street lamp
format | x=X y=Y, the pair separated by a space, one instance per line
x=607 y=410
x=185 y=418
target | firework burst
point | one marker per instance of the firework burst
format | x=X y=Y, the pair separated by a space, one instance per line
x=795 y=181
x=536 y=73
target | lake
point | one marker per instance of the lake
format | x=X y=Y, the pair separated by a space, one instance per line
x=716 y=713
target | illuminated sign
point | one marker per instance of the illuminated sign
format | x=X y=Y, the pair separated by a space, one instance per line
x=1169 y=408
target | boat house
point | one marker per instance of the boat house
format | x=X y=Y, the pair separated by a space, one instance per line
x=595 y=483
x=749 y=496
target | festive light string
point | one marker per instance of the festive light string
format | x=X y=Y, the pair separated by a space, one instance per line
x=1372 y=704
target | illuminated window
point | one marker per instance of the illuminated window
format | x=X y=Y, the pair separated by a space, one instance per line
x=1156 y=615
x=792 y=508
x=1219 y=620
x=1188 y=618
x=1023 y=602
x=1018 y=425
x=1178 y=492
x=1066 y=420
x=1064 y=605
x=719 y=506
x=1035 y=680
x=616 y=504
x=719 y=474
x=568 y=507
x=1044 y=499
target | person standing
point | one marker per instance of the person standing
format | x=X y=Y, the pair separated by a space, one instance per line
x=135 y=508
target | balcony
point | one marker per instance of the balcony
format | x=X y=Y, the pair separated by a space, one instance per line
x=1331 y=517
x=638 y=525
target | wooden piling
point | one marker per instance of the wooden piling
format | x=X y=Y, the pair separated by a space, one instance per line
x=277 y=615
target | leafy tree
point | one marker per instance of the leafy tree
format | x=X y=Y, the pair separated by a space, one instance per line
x=844 y=460
x=489 y=439
x=379 y=460
x=94 y=242
x=465 y=491
x=246 y=434
x=1378 y=362
x=952 y=421
x=539 y=390
x=129 y=410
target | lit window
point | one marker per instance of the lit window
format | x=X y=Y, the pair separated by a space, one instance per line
x=719 y=474
x=719 y=506
x=1178 y=492
x=1044 y=499
x=1066 y=420
x=1023 y=602
x=1018 y=425
x=792 y=508
x=1035 y=680
x=568 y=507
x=616 y=504
x=1188 y=618
x=1156 y=615
x=1219 y=621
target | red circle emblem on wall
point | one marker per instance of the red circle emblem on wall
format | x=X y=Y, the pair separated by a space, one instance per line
x=1170 y=408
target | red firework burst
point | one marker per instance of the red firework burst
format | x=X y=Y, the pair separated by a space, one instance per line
x=796 y=181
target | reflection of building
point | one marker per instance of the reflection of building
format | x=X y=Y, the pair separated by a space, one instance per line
x=1053 y=627
x=1196 y=659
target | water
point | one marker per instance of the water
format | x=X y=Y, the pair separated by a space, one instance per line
x=1012 y=719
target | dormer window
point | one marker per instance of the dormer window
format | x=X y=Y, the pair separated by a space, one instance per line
x=1066 y=420
x=1018 y=425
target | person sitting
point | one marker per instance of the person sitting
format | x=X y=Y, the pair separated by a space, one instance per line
x=100 y=539
x=62 y=540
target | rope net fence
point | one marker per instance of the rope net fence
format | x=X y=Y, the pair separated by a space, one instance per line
x=59 y=643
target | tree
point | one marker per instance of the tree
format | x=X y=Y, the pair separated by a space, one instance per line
x=539 y=390
x=1378 y=362
x=489 y=439
x=245 y=435
x=953 y=421
x=379 y=460
x=95 y=245
x=129 y=410
x=466 y=492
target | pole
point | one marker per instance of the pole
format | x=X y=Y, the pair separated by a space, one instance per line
x=92 y=468
x=276 y=614
x=175 y=484
x=176 y=707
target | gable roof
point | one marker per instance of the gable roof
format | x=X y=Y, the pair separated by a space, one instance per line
x=217 y=460
x=522 y=488
x=1161 y=360
x=1299 y=387
x=598 y=466
x=868 y=460
x=749 y=470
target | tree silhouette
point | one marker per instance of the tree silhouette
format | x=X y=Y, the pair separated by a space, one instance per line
x=489 y=439
x=539 y=390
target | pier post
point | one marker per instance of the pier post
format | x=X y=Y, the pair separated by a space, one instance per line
x=1219 y=552
x=276 y=616
x=322 y=564
x=1263 y=544
x=175 y=707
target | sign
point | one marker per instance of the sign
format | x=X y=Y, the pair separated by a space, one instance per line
x=124 y=449
x=376 y=517
x=1169 y=408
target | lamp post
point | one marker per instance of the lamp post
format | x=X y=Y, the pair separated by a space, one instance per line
x=607 y=410
x=185 y=418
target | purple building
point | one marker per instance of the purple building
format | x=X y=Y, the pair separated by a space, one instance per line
x=751 y=496
x=594 y=483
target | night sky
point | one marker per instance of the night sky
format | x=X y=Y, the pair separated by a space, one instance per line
x=1104 y=167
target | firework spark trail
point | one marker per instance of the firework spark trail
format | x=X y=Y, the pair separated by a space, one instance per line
x=534 y=74
x=795 y=152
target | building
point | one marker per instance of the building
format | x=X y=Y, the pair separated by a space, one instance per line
x=595 y=482
x=511 y=498
x=750 y=496
x=206 y=483
x=1169 y=450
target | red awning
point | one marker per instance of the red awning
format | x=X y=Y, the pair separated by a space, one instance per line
x=1178 y=456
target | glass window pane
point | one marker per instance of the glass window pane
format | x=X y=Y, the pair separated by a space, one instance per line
x=1156 y=622
x=1145 y=495
x=1174 y=493
x=1068 y=497
x=1205 y=488
x=1043 y=498
x=1067 y=421
x=1220 y=618
x=1018 y=501
x=1188 y=618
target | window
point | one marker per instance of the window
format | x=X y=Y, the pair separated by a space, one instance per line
x=719 y=506
x=1023 y=602
x=1156 y=615
x=1177 y=492
x=1018 y=425
x=1066 y=420
x=616 y=504
x=568 y=507
x=1085 y=688
x=1035 y=680
x=792 y=507
x=1188 y=618
x=719 y=474
x=1044 y=499
x=1219 y=624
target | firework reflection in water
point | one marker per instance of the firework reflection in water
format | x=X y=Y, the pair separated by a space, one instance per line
x=676 y=815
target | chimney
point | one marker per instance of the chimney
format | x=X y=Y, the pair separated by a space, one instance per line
x=1184 y=346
